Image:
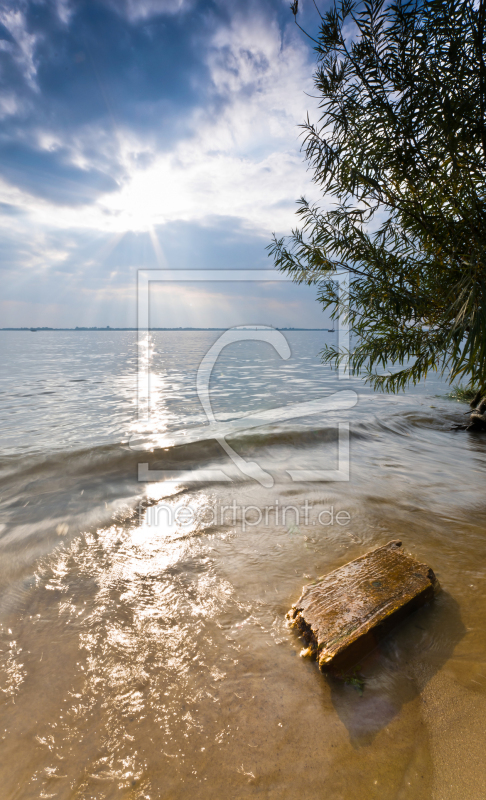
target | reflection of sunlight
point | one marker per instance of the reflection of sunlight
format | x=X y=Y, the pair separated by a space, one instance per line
x=153 y=414
x=146 y=631
x=156 y=491
x=147 y=555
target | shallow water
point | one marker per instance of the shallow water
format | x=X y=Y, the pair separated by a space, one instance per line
x=144 y=652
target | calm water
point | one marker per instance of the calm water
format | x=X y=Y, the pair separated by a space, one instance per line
x=143 y=645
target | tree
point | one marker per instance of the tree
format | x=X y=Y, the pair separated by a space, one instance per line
x=400 y=154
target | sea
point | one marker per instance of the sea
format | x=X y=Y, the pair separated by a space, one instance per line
x=163 y=503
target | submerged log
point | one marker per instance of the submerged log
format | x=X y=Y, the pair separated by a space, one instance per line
x=343 y=616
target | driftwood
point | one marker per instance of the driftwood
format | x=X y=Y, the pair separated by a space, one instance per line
x=343 y=616
x=477 y=420
x=477 y=417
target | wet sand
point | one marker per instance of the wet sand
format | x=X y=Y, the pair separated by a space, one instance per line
x=150 y=663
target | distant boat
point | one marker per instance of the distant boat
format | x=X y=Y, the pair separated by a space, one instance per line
x=331 y=330
x=34 y=330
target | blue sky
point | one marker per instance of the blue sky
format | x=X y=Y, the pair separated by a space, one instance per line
x=139 y=134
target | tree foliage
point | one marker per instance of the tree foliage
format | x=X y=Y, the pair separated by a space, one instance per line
x=399 y=154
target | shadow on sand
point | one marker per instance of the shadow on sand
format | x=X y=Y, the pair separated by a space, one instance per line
x=399 y=669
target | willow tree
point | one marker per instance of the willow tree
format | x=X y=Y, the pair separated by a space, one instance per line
x=399 y=156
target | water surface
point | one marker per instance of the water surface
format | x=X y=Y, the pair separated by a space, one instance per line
x=144 y=653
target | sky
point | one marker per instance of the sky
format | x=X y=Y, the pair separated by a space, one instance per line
x=150 y=134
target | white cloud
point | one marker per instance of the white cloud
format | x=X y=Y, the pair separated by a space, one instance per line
x=243 y=159
x=143 y=9
x=9 y=105
x=23 y=48
x=64 y=10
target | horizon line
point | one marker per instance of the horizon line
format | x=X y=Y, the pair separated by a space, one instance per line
x=35 y=329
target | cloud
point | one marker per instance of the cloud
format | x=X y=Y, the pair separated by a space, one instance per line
x=83 y=86
x=237 y=154
x=139 y=134
x=52 y=175
x=136 y=10
x=19 y=42
x=90 y=277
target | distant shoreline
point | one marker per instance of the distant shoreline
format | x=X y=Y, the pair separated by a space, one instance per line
x=108 y=329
